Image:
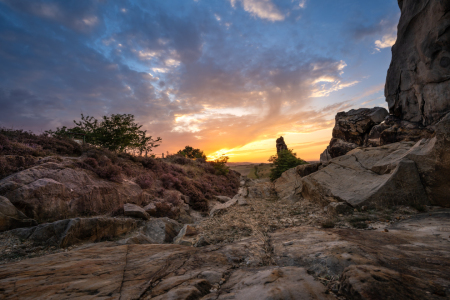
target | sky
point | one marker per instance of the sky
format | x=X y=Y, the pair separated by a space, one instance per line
x=225 y=76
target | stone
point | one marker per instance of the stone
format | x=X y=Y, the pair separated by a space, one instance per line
x=55 y=190
x=161 y=230
x=351 y=130
x=151 y=209
x=261 y=189
x=337 y=208
x=274 y=283
x=65 y=233
x=220 y=208
x=222 y=199
x=135 y=211
x=242 y=202
x=371 y=177
x=354 y=126
x=185 y=236
x=340 y=147
x=365 y=265
x=280 y=144
x=417 y=85
x=306 y=169
x=11 y=217
x=289 y=186
x=186 y=199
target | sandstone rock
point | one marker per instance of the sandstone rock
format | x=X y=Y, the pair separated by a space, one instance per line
x=325 y=156
x=185 y=236
x=151 y=209
x=354 y=126
x=11 y=217
x=417 y=85
x=274 y=283
x=222 y=207
x=336 y=208
x=352 y=130
x=305 y=170
x=65 y=233
x=222 y=199
x=242 y=202
x=371 y=176
x=289 y=186
x=161 y=230
x=186 y=199
x=281 y=145
x=133 y=271
x=340 y=147
x=56 y=190
x=135 y=211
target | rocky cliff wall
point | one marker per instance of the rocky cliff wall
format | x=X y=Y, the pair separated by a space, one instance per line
x=418 y=81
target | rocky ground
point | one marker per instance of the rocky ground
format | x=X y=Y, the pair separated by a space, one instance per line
x=256 y=248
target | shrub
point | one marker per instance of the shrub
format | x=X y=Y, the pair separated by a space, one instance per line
x=190 y=152
x=92 y=162
x=282 y=162
x=169 y=181
x=145 y=181
x=219 y=165
x=12 y=164
x=110 y=172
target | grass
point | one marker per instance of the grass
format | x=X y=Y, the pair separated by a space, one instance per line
x=253 y=171
x=359 y=222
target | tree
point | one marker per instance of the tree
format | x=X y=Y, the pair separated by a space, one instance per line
x=190 y=152
x=220 y=166
x=284 y=161
x=118 y=133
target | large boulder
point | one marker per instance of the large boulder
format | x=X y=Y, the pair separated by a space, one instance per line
x=289 y=185
x=65 y=233
x=56 y=190
x=11 y=217
x=161 y=230
x=352 y=129
x=371 y=177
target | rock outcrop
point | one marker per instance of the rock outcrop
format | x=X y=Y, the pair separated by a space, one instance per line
x=418 y=81
x=374 y=265
x=281 y=145
x=352 y=130
x=56 y=190
x=289 y=185
x=11 y=217
x=65 y=233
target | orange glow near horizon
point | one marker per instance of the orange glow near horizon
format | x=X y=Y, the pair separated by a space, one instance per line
x=308 y=146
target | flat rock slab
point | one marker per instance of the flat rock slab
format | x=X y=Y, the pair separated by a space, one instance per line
x=411 y=261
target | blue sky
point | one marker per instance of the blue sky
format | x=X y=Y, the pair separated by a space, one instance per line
x=226 y=76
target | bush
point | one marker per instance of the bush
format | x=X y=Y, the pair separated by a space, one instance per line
x=219 y=165
x=169 y=181
x=284 y=161
x=145 y=181
x=190 y=152
x=12 y=164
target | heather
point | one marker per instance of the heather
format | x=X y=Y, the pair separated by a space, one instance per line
x=160 y=178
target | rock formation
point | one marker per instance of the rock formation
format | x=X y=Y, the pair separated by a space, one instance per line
x=418 y=81
x=281 y=145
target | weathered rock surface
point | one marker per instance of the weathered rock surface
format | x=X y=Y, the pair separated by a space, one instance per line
x=68 y=232
x=56 y=190
x=135 y=211
x=371 y=176
x=222 y=199
x=417 y=83
x=11 y=217
x=161 y=230
x=186 y=236
x=222 y=207
x=373 y=265
x=280 y=144
x=352 y=129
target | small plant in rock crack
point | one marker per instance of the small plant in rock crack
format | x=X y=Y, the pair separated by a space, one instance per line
x=328 y=224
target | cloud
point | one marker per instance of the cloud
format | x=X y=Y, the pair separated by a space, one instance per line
x=387 y=41
x=302 y=3
x=263 y=9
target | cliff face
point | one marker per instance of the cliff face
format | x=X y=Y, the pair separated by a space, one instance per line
x=418 y=81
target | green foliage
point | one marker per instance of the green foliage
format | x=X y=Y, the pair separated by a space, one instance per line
x=220 y=166
x=190 y=152
x=282 y=162
x=118 y=133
